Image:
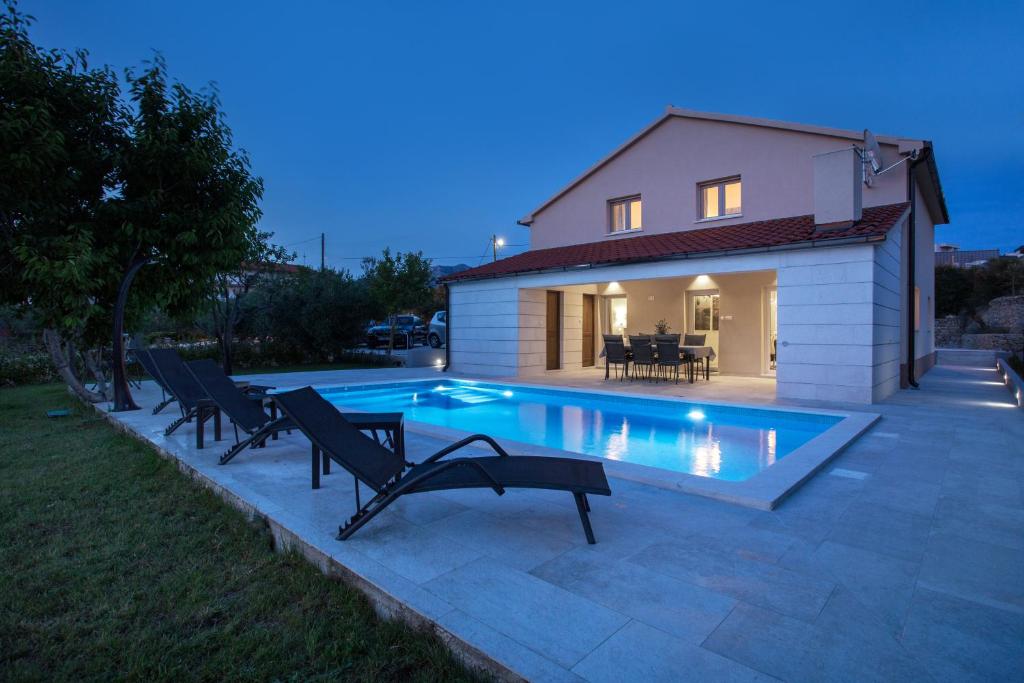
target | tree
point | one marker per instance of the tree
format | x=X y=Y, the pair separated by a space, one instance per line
x=398 y=283
x=310 y=314
x=227 y=297
x=188 y=206
x=952 y=290
x=94 y=193
x=62 y=128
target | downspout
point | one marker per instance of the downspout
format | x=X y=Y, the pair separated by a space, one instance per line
x=911 y=275
x=447 y=327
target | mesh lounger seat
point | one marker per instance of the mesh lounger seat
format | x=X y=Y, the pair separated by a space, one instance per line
x=247 y=413
x=191 y=397
x=146 y=361
x=390 y=476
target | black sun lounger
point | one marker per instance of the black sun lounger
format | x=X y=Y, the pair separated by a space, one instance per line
x=390 y=476
x=247 y=413
x=146 y=361
x=192 y=400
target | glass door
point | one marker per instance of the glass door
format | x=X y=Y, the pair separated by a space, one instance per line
x=617 y=315
x=704 y=318
x=771 y=330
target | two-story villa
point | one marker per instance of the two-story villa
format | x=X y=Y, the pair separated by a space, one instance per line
x=801 y=252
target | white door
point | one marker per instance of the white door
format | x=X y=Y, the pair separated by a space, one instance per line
x=703 y=318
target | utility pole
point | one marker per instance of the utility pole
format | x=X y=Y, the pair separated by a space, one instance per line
x=322 y=251
x=495 y=243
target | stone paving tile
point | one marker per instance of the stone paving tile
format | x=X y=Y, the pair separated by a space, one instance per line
x=975 y=570
x=423 y=555
x=758 y=583
x=873 y=526
x=641 y=653
x=502 y=539
x=763 y=640
x=991 y=523
x=848 y=644
x=805 y=528
x=560 y=625
x=531 y=665
x=961 y=640
x=883 y=584
x=906 y=495
x=681 y=609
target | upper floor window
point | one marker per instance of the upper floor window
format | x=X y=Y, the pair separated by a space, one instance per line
x=625 y=214
x=719 y=198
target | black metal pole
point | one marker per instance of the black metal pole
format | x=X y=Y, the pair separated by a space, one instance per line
x=122 y=393
x=911 y=275
x=447 y=327
x=323 y=260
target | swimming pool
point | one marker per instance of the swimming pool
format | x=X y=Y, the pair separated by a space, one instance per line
x=729 y=443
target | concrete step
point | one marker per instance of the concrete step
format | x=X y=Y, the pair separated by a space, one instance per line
x=972 y=357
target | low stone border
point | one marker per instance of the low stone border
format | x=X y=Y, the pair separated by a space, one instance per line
x=1012 y=380
x=386 y=605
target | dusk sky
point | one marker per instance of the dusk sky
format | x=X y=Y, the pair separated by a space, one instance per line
x=431 y=125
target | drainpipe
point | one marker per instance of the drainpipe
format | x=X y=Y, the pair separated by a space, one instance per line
x=911 y=275
x=447 y=327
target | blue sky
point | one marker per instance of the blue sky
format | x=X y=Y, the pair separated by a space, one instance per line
x=432 y=125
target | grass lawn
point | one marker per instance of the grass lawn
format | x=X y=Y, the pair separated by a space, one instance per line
x=115 y=565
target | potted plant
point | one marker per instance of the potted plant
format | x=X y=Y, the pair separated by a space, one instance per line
x=662 y=327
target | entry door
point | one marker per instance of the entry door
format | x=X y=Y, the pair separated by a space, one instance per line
x=554 y=336
x=704 y=317
x=588 y=330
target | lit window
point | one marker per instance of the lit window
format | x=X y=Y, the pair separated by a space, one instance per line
x=625 y=214
x=720 y=198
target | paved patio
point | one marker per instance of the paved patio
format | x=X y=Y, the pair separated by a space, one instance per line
x=902 y=560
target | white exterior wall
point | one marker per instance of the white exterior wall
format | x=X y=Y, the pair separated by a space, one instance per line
x=839 y=312
x=484 y=328
x=572 y=330
x=826 y=324
x=888 y=315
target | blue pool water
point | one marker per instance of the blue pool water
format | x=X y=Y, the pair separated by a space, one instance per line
x=722 y=442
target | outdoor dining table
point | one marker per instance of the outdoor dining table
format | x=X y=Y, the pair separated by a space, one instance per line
x=684 y=350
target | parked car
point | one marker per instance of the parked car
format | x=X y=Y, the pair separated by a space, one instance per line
x=408 y=329
x=438 y=334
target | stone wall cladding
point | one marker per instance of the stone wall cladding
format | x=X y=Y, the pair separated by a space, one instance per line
x=1006 y=312
x=948 y=332
x=1005 y=341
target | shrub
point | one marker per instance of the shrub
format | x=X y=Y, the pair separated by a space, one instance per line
x=26 y=367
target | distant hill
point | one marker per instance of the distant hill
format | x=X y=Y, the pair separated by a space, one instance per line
x=438 y=272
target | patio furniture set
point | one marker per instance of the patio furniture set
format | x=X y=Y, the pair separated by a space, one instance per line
x=370 y=446
x=657 y=356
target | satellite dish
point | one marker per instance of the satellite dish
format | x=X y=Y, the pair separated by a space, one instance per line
x=872 y=152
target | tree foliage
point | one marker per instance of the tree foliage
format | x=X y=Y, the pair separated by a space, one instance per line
x=398 y=283
x=227 y=299
x=962 y=291
x=97 y=185
x=311 y=313
x=62 y=130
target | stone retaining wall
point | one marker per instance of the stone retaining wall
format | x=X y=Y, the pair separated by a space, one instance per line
x=1006 y=312
x=1004 y=341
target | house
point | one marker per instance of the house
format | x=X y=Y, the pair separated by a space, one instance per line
x=803 y=253
x=952 y=255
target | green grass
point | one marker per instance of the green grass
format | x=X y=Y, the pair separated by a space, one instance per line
x=117 y=566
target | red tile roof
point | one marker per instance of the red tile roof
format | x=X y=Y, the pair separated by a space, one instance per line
x=875 y=222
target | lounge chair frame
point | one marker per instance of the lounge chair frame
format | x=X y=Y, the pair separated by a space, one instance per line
x=396 y=477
